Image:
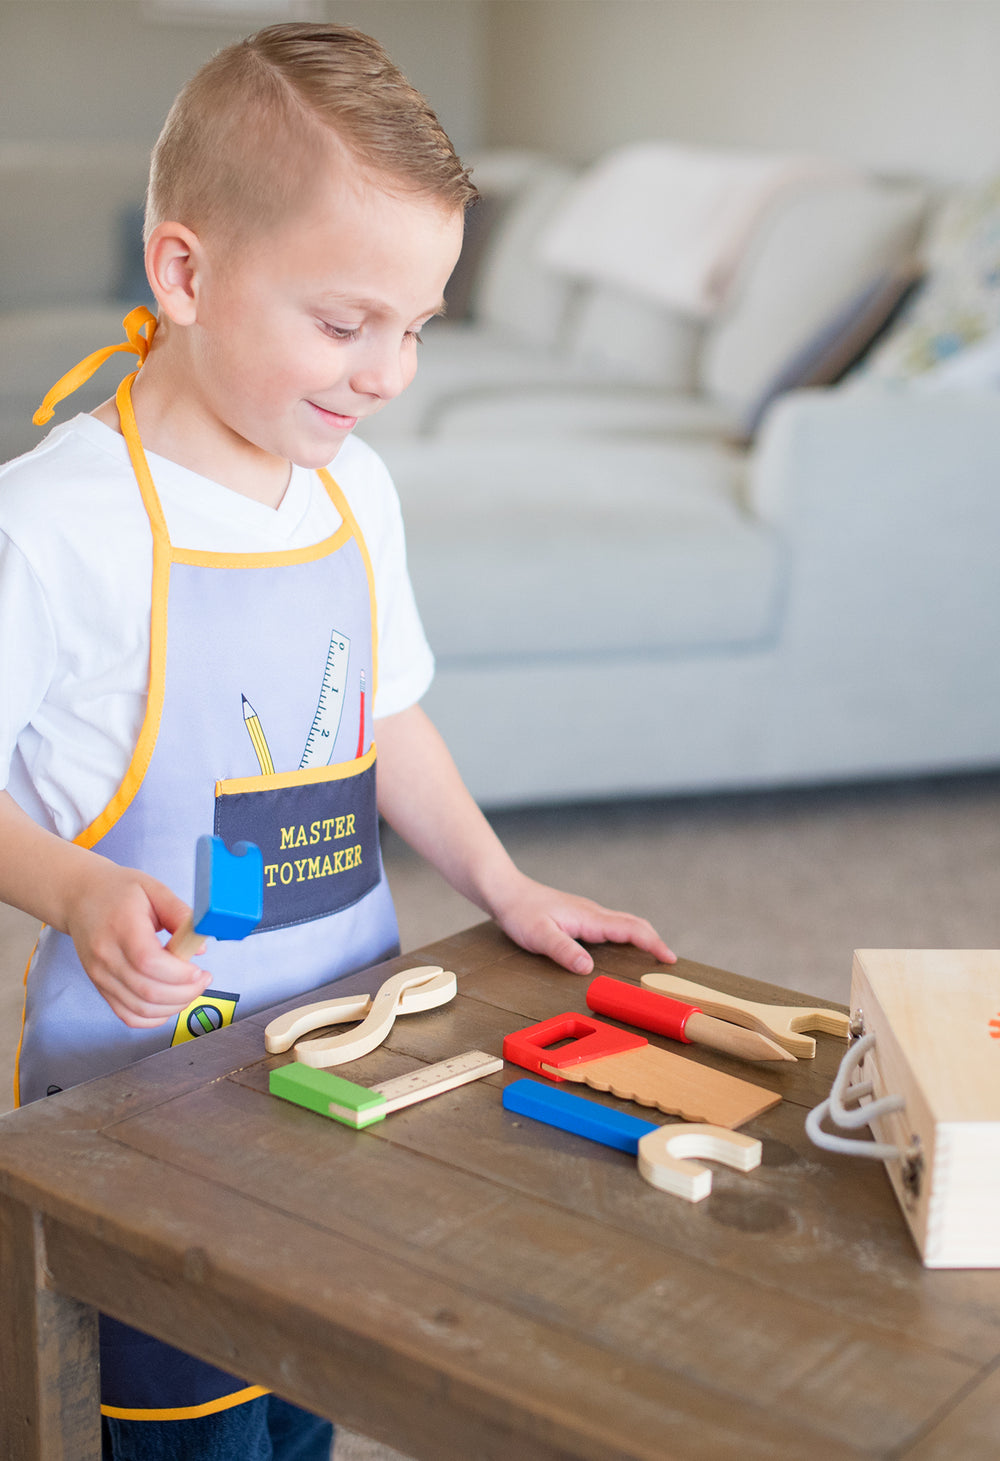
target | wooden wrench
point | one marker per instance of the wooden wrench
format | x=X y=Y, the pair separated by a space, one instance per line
x=783 y=1022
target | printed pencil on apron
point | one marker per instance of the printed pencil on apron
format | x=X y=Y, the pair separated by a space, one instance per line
x=263 y=670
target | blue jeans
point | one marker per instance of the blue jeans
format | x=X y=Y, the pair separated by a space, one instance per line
x=266 y=1429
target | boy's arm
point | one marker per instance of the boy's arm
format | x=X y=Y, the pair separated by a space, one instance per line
x=111 y=913
x=422 y=796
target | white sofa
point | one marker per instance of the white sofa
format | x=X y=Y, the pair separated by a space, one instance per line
x=639 y=572
x=620 y=618
x=650 y=567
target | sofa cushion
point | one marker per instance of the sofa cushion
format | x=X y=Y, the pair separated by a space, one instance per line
x=840 y=342
x=480 y=221
x=975 y=368
x=573 y=549
x=959 y=300
x=605 y=407
x=464 y=361
x=630 y=338
x=671 y=221
x=515 y=294
x=820 y=247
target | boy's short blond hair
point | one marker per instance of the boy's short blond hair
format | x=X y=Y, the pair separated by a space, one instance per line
x=252 y=127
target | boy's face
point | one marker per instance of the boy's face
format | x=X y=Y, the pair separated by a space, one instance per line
x=314 y=327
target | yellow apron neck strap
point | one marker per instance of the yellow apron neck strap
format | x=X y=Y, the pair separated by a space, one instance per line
x=134 y=323
x=140 y=466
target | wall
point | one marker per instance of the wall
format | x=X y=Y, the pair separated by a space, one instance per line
x=105 y=69
x=901 y=86
x=898 y=85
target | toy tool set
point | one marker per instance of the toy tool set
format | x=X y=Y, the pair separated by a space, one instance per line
x=596 y=1054
x=919 y=1133
x=923 y=1072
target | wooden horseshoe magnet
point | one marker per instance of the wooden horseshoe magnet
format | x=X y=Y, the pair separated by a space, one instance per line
x=666 y=1157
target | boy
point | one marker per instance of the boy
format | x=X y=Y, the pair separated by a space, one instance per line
x=190 y=579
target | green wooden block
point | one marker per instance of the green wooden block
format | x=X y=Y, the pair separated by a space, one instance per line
x=319 y=1090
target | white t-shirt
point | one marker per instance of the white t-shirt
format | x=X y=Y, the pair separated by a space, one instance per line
x=75 y=599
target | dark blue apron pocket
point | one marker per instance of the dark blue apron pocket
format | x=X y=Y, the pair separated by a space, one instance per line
x=318 y=832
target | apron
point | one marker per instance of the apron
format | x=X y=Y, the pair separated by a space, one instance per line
x=258 y=727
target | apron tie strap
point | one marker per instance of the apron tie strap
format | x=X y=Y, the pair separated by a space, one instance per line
x=134 y=323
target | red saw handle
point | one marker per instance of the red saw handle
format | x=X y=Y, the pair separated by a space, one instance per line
x=642 y=1007
x=590 y=1041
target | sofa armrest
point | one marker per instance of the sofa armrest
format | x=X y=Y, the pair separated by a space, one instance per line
x=880 y=454
x=889 y=503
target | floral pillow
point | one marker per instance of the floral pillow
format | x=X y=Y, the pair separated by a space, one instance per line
x=959 y=301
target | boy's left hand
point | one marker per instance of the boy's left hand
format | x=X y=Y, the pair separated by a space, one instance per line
x=545 y=921
x=422 y=796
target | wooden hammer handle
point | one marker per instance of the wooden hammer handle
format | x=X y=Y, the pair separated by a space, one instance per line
x=186 y=942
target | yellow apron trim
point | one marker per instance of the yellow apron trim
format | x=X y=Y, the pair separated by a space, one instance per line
x=311 y=774
x=137 y=456
x=188 y=1412
x=146 y=743
x=198 y=558
x=133 y=324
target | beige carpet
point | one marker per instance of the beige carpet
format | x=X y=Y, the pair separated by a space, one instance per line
x=779 y=886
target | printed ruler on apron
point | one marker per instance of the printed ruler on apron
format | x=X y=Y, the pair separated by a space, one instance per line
x=329 y=710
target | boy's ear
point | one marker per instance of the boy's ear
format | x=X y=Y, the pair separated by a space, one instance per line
x=173 y=260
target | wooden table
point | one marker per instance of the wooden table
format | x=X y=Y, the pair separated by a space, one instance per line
x=472 y=1286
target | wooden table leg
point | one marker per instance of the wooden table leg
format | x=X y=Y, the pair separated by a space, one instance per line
x=49 y=1368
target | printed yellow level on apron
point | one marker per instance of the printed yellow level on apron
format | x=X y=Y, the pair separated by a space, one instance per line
x=258 y=726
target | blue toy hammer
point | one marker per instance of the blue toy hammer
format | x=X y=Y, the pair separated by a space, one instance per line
x=228 y=895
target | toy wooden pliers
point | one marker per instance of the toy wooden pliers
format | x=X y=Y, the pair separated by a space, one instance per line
x=404 y=994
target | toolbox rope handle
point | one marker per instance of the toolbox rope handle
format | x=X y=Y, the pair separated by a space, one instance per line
x=834 y=1108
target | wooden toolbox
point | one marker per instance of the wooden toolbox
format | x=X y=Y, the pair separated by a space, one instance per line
x=935 y=1016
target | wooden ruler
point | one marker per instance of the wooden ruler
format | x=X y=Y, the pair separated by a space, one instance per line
x=360 y=1106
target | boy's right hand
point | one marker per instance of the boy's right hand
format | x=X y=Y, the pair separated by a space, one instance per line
x=113 y=915
x=113 y=921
